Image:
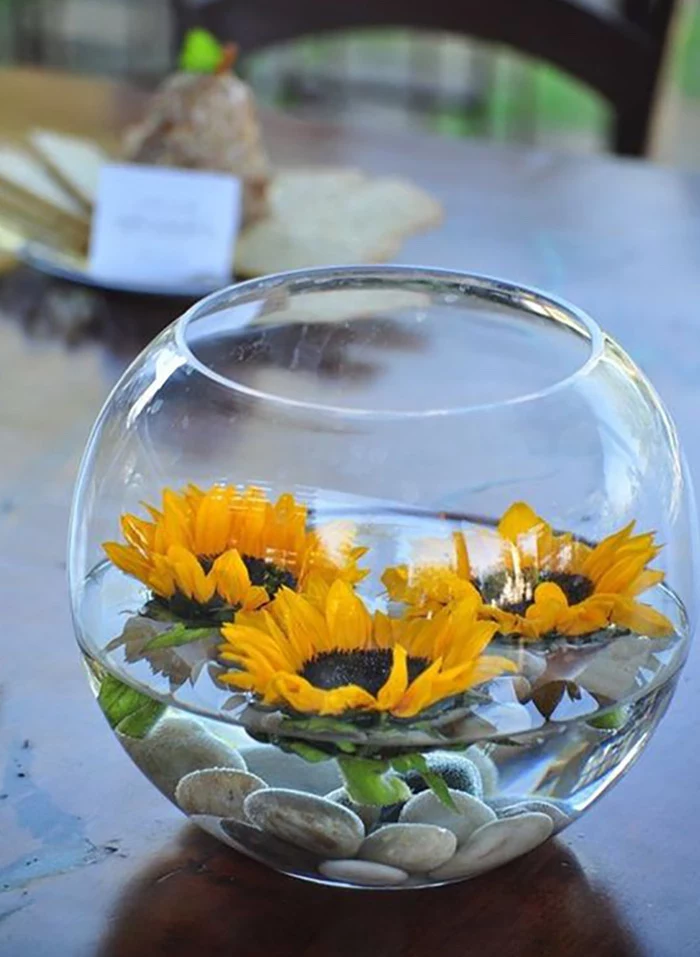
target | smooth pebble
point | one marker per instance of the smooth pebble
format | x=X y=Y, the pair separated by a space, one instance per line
x=217 y=791
x=427 y=808
x=486 y=766
x=174 y=747
x=415 y=848
x=613 y=672
x=307 y=821
x=511 y=806
x=368 y=814
x=367 y=873
x=495 y=844
x=280 y=769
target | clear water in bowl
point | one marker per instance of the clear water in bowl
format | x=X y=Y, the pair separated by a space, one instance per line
x=521 y=759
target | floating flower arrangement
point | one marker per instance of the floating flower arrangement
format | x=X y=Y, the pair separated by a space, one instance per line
x=274 y=600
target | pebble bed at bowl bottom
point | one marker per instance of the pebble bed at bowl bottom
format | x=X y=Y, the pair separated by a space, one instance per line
x=296 y=817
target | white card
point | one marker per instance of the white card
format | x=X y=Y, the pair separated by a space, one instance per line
x=159 y=226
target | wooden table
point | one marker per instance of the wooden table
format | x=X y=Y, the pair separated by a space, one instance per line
x=92 y=859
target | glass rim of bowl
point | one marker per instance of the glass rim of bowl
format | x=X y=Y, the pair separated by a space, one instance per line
x=528 y=300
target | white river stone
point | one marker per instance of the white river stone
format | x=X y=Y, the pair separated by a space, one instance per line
x=415 y=848
x=307 y=821
x=427 y=808
x=613 y=671
x=495 y=844
x=486 y=767
x=176 y=746
x=217 y=791
x=366 y=873
x=280 y=769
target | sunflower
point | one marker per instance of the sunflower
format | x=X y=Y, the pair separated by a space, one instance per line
x=426 y=588
x=208 y=554
x=554 y=584
x=337 y=658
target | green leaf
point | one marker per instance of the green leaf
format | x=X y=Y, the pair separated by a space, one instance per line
x=416 y=762
x=372 y=782
x=439 y=788
x=127 y=710
x=308 y=753
x=201 y=52
x=179 y=635
x=611 y=720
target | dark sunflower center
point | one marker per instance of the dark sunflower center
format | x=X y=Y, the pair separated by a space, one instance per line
x=368 y=669
x=261 y=572
x=269 y=575
x=577 y=588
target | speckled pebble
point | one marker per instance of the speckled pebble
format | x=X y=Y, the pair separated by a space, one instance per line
x=368 y=814
x=456 y=771
x=427 y=808
x=217 y=791
x=486 y=766
x=415 y=848
x=366 y=873
x=307 y=821
x=507 y=806
x=280 y=769
x=495 y=844
x=176 y=746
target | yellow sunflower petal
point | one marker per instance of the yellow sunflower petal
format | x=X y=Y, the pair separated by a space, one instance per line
x=418 y=695
x=212 y=523
x=461 y=555
x=517 y=520
x=641 y=618
x=189 y=575
x=395 y=685
x=129 y=560
x=395 y=581
x=138 y=532
x=349 y=622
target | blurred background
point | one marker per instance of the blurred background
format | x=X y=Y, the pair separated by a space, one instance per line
x=390 y=78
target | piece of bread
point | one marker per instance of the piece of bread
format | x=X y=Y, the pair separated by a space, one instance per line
x=74 y=162
x=333 y=216
x=23 y=174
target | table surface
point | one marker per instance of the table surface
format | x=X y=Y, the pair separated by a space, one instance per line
x=92 y=859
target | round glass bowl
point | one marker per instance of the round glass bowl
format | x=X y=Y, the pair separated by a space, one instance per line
x=383 y=575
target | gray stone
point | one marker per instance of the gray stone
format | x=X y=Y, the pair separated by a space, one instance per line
x=613 y=672
x=495 y=844
x=508 y=806
x=368 y=813
x=365 y=873
x=282 y=770
x=176 y=746
x=217 y=791
x=427 y=808
x=307 y=821
x=415 y=848
x=486 y=767
x=456 y=771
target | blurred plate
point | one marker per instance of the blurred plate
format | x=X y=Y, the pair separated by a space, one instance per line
x=74 y=268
